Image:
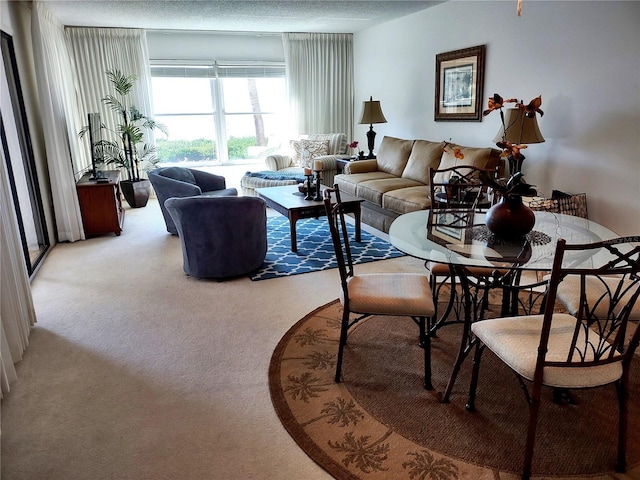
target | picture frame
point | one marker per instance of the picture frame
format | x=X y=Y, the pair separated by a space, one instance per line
x=459 y=85
x=450 y=226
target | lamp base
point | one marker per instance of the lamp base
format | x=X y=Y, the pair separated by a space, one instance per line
x=371 y=139
x=515 y=164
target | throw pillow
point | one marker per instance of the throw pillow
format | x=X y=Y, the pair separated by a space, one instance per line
x=311 y=149
x=454 y=156
x=424 y=154
x=393 y=155
x=337 y=142
x=295 y=158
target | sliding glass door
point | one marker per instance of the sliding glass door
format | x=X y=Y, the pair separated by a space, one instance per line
x=17 y=154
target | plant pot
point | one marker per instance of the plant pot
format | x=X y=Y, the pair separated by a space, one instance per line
x=510 y=218
x=136 y=193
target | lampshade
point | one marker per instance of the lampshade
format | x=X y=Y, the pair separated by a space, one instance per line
x=520 y=128
x=372 y=112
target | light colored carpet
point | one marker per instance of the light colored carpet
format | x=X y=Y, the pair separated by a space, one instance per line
x=136 y=371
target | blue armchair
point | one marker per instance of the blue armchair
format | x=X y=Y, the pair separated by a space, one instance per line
x=172 y=182
x=221 y=236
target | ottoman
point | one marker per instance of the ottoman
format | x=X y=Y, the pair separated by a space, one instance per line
x=268 y=178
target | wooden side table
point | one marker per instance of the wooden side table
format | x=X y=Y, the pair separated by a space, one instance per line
x=101 y=204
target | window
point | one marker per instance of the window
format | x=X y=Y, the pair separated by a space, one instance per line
x=220 y=113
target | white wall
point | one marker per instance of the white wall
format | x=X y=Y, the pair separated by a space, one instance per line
x=583 y=57
x=176 y=45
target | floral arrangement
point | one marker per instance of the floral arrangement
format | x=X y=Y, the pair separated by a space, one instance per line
x=496 y=102
x=354 y=145
x=516 y=183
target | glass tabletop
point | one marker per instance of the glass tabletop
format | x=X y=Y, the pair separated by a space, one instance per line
x=463 y=239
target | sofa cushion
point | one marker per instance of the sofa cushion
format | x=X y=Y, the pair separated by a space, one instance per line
x=337 y=142
x=312 y=149
x=408 y=199
x=349 y=183
x=393 y=155
x=373 y=190
x=424 y=155
x=455 y=155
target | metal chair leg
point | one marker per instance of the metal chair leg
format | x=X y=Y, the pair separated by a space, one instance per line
x=343 y=340
x=471 y=402
x=534 y=408
x=623 y=400
x=425 y=341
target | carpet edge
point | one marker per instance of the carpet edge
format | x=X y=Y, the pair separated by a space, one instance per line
x=288 y=421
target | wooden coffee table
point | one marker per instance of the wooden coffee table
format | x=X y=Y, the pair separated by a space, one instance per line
x=289 y=202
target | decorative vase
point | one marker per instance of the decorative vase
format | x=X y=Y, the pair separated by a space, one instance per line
x=136 y=193
x=510 y=218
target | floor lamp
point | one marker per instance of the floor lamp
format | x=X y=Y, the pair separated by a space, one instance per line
x=371 y=113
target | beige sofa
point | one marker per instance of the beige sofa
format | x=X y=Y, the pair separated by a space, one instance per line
x=397 y=181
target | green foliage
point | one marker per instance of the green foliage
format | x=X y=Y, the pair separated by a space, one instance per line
x=125 y=145
x=183 y=150
x=201 y=149
x=238 y=146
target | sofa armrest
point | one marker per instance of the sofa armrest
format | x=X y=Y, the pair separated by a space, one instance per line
x=361 y=166
x=277 y=162
x=329 y=162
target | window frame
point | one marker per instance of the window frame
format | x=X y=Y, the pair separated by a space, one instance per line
x=216 y=71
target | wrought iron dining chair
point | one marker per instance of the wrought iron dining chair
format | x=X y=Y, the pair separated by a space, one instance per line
x=592 y=345
x=364 y=295
x=457 y=189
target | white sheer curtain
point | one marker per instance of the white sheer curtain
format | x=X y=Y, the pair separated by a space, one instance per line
x=319 y=73
x=97 y=50
x=59 y=116
x=17 y=314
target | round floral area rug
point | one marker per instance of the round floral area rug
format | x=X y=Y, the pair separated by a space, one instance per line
x=380 y=423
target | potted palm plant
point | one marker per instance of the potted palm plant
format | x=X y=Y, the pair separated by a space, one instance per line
x=126 y=147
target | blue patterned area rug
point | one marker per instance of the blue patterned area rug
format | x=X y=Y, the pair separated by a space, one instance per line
x=315 y=250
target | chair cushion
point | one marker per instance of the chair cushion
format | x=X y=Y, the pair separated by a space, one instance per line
x=569 y=288
x=390 y=294
x=178 y=173
x=515 y=341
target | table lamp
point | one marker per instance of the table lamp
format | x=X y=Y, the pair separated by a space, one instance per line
x=520 y=130
x=371 y=113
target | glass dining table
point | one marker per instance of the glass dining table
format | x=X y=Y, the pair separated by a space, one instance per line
x=461 y=240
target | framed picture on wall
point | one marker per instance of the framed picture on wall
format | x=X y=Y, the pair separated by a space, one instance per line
x=459 y=85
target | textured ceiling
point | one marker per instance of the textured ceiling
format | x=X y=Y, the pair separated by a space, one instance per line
x=335 y=16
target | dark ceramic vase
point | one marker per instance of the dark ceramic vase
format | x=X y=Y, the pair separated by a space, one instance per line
x=510 y=218
x=136 y=193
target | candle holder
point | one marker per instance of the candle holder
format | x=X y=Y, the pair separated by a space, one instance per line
x=318 y=197
x=309 y=195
